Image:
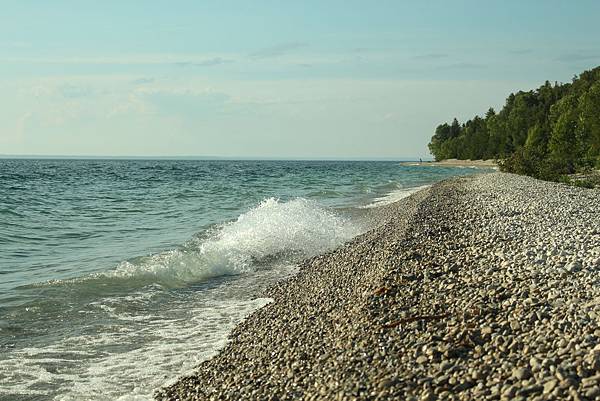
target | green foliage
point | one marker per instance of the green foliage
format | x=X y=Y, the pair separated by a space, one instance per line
x=584 y=184
x=546 y=133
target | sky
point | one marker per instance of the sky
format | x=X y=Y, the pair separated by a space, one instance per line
x=272 y=79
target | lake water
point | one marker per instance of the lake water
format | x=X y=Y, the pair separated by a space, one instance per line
x=117 y=276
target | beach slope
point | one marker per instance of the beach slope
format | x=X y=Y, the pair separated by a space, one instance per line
x=483 y=287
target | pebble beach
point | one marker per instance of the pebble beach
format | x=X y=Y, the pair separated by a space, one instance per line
x=477 y=288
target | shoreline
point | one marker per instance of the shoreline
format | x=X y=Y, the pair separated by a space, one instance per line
x=456 y=163
x=481 y=287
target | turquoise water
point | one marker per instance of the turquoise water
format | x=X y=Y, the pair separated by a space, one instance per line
x=116 y=276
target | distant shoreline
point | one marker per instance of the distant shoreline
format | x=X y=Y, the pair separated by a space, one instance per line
x=455 y=163
x=209 y=158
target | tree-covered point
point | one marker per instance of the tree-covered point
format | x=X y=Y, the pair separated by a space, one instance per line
x=547 y=133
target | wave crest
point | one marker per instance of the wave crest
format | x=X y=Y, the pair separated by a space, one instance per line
x=272 y=231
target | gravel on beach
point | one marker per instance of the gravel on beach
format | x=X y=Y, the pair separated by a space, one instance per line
x=478 y=288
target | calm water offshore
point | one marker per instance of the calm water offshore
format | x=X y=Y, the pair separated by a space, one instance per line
x=117 y=276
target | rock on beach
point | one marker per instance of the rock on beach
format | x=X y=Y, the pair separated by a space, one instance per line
x=478 y=288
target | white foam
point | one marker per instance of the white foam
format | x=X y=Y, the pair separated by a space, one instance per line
x=394 y=196
x=299 y=227
x=128 y=362
x=131 y=342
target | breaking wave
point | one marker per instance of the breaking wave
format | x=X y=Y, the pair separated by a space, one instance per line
x=272 y=231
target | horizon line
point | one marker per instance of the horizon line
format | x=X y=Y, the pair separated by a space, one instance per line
x=189 y=157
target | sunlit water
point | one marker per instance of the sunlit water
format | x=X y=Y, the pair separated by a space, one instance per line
x=118 y=276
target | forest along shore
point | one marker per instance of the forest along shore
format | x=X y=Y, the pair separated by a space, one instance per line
x=476 y=288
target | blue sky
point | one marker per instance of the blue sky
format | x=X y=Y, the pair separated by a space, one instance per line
x=271 y=78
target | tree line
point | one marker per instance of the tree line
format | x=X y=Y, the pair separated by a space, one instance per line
x=546 y=133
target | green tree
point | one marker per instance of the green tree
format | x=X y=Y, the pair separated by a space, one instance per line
x=563 y=146
x=590 y=121
x=546 y=132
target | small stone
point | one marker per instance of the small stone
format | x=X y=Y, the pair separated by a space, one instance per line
x=575 y=395
x=441 y=380
x=534 y=363
x=486 y=330
x=534 y=388
x=477 y=375
x=592 y=392
x=590 y=381
x=509 y=392
x=521 y=373
x=566 y=383
x=573 y=267
x=422 y=360
x=445 y=366
x=494 y=391
x=550 y=385
x=385 y=383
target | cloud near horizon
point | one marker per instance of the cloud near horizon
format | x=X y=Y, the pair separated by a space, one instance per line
x=431 y=56
x=199 y=116
x=241 y=79
x=277 y=50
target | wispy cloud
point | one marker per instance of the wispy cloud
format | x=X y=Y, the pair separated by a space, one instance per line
x=579 y=56
x=464 y=66
x=431 y=56
x=71 y=91
x=520 y=51
x=204 y=63
x=202 y=103
x=142 y=81
x=277 y=50
x=135 y=59
x=14 y=45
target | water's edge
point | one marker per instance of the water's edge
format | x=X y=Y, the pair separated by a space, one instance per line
x=77 y=319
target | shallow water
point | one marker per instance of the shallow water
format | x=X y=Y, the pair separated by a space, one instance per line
x=116 y=276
